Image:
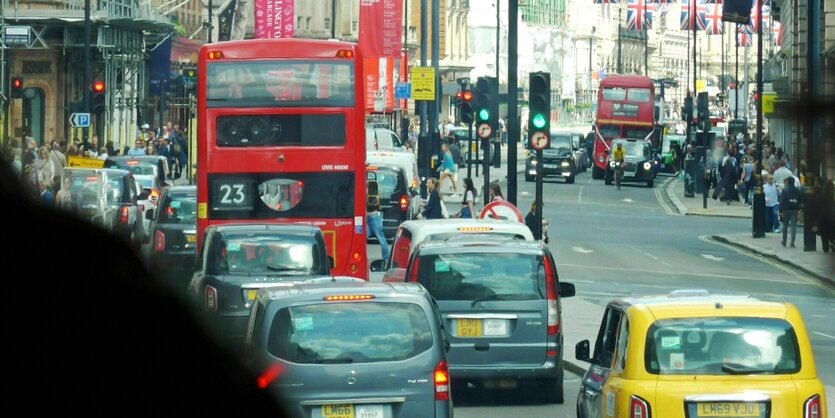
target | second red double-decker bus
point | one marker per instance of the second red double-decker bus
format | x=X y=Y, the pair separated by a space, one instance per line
x=625 y=109
x=281 y=138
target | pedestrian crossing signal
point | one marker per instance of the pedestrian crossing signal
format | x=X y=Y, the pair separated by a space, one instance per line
x=17 y=87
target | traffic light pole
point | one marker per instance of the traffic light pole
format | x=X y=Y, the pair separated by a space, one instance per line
x=470 y=151
x=512 y=125
x=423 y=141
x=85 y=87
x=538 y=232
x=758 y=219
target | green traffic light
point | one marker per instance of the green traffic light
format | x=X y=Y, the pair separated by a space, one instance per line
x=539 y=121
x=483 y=114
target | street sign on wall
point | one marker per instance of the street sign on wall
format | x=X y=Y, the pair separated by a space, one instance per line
x=403 y=90
x=768 y=103
x=80 y=120
x=423 y=83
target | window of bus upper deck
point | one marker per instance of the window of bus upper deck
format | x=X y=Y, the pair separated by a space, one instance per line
x=639 y=95
x=284 y=83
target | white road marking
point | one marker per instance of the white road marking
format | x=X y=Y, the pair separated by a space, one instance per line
x=628 y=200
x=651 y=256
x=525 y=193
x=824 y=335
x=661 y=201
x=712 y=257
x=591 y=180
x=581 y=250
x=580 y=195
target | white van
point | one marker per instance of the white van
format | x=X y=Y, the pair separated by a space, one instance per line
x=380 y=139
x=404 y=159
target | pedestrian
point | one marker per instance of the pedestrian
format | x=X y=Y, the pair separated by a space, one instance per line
x=59 y=161
x=772 y=204
x=138 y=148
x=538 y=229
x=729 y=176
x=826 y=215
x=781 y=173
x=433 y=209
x=63 y=198
x=43 y=165
x=789 y=205
x=46 y=195
x=448 y=127
x=150 y=150
x=448 y=169
x=495 y=191
x=103 y=155
x=14 y=156
x=468 y=204
x=374 y=222
x=746 y=179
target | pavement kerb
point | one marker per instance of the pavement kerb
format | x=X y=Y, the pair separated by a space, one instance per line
x=820 y=277
x=573 y=366
x=671 y=194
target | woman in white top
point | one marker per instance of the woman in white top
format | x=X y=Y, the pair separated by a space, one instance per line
x=44 y=166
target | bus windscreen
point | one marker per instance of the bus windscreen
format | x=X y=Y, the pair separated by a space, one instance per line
x=285 y=83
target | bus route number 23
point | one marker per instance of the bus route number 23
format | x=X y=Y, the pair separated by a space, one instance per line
x=232 y=194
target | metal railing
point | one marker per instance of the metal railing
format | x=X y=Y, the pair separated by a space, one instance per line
x=99 y=9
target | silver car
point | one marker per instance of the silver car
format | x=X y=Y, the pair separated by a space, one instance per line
x=351 y=350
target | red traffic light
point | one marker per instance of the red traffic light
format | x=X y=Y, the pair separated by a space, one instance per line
x=17 y=83
x=98 y=86
x=467 y=95
x=458 y=94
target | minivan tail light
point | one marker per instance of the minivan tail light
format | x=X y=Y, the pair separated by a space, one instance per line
x=638 y=408
x=441 y=380
x=812 y=407
x=551 y=295
x=211 y=298
x=413 y=274
x=154 y=196
x=124 y=215
x=159 y=241
x=404 y=203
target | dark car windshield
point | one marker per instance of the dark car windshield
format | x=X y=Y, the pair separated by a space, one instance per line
x=560 y=141
x=470 y=276
x=721 y=346
x=179 y=209
x=354 y=332
x=389 y=181
x=269 y=254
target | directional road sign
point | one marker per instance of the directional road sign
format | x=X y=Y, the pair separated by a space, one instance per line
x=80 y=120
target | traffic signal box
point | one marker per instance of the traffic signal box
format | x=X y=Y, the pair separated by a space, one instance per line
x=17 y=88
x=487 y=102
x=466 y=106
x=97 y=92
x=539 y=106
x=702 y=108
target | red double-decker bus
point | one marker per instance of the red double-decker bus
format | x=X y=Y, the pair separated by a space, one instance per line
x=281 y=138
x=625 y=109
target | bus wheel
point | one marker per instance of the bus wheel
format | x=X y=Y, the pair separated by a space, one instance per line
x=596 y=173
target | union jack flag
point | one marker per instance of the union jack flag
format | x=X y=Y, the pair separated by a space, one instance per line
x=743 y=35
x=660 y=2
x=766 y=14
x=713 y=1
x=689 y=22
x=663 y=9
x=638 y=15
x=605 y=1
x=776 y=33
x=713 y=20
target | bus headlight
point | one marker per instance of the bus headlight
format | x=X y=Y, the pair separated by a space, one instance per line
x=647 y=165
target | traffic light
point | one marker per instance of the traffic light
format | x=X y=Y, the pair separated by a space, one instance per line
x=702 y=107
x=190 y=74
x=539 y=105
x=467 y=107
x=97 y=97
x=487 y=102
x=17 y=87
x=687 y=110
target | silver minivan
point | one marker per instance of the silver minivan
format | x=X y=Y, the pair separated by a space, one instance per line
x=351 y=350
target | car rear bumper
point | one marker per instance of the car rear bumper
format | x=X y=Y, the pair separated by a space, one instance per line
x=176 y=267
x=231 y=326
x=550 y=369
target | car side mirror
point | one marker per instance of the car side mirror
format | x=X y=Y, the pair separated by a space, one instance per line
x=149 y=214
x=566 y=290
x=582 y=351
x=378 y=265
x=413 y=191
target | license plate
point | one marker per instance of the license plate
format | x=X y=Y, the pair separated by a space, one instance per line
x=338 y=411
x=369 y=411
x=729 y=409
x=191 y=238
x=495 y=327
x=469 y=328
x=549 y=165
x=250 y=294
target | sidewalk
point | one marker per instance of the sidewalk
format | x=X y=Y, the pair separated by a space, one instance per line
x=694 y=205
x=817 y=264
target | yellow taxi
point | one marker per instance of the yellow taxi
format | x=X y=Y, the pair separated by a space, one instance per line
x=691 y=354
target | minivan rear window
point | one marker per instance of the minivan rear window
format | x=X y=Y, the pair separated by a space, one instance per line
x=354 y=332
x=493 y=276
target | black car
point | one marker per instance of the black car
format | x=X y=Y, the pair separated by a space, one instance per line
x=173 y=236
x=397 y=202
x=235 y=260
x=640 y=163
x=557 y=160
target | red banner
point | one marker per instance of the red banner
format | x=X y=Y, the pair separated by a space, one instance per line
x=380 y=76
x=274 y=19
x=381 y=28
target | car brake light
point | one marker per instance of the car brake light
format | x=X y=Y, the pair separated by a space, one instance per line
x=551 y=295
x=124 y=217
x=215 y=55
x=413 y=276
x=211 y=298
x=356 y=256
x=638 y=408
x=159 y=241
x=404 y=203
x=269 y=376
x=812 y=407
x=441 y=382
x=337 y=298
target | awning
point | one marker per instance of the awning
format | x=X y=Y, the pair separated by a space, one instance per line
x=184 y=50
